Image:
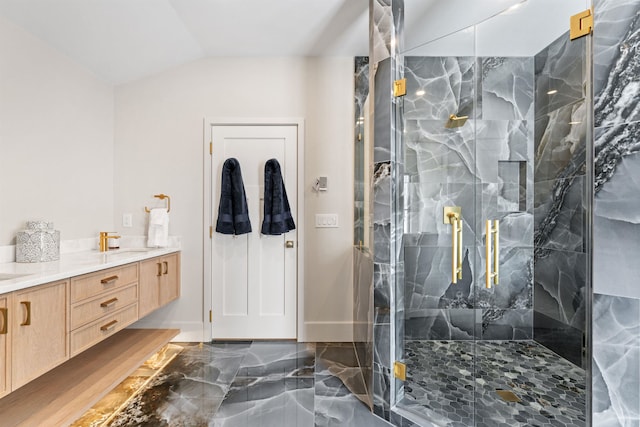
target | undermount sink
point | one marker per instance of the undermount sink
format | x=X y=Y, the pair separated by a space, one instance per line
x=9 y=276
x=125 y=250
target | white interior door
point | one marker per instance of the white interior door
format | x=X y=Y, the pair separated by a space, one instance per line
x=254 y=276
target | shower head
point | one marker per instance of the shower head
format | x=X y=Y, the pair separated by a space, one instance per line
x=455 y=121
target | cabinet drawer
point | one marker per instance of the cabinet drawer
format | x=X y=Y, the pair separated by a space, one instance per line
x=85 y=337
x=94 y=284
x=90 y=310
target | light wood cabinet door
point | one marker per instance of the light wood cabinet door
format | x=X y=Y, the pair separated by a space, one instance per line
x=5 y=346
x=159 y=282
x=38 y=324
x=149 y=289
x=170 y=280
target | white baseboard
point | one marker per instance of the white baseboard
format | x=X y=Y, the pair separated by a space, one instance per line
x=326 y=332
x=189 y=331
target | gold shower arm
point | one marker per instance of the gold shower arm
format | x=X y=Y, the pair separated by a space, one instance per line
x=492 y=250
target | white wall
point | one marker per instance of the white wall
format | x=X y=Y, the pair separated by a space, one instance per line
x=56 y=140
x=159 y=148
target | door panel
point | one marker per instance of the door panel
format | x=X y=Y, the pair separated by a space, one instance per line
x=254 y=276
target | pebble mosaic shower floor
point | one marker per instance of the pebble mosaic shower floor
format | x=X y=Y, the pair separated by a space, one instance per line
x=449 y=384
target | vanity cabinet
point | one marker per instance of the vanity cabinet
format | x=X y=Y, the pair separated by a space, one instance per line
x=159 y=282
x=5 y=346
x=38 y=328
x=101 y=304
x=43 y=326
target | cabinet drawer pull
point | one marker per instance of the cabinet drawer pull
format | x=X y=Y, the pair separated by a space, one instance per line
x=109 y=302
x=166 y=267
x=159 y=269
x=109 y=326
x=108 y=280
x=27 y=305
x=5 y=320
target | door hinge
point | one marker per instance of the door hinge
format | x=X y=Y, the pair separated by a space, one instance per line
x=210 y=316
x=400 y=371
x=400 y=87
x=581 y=24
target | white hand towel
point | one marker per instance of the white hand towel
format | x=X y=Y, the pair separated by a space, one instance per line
x=158 y=228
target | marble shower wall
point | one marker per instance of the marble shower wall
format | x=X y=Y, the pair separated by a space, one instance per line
x=561 y=198
x=616 y=228
x=486 y=168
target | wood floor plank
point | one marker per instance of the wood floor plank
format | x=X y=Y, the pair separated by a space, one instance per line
x=62 y=395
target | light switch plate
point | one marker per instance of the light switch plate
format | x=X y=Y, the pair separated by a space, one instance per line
x=127 y=220
x=326 y=220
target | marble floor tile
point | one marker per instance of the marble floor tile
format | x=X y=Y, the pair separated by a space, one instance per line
x=261 y=384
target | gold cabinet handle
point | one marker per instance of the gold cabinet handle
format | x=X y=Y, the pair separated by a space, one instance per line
x=159 y=264
x=166 y=267
x=5 y=319
x=27 y=306
x=109 y=279
x=453 y=216
x=492 y=250
x=109 y=302
x=109 y=326
x=289 y=244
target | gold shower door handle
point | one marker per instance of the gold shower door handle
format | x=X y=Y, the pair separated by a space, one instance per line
x=492 y=251
x=453 y=216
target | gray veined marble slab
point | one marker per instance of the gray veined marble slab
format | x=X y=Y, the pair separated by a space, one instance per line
x=560 y=138
x=616 y=360
x=442 y=324
x=617 y=97
x=560 y=286
x=441 y=154
x=559 y=74
x=447 y=83
x=381 y=33
x=612 y=145
x=614 y=21
x=507 y=88
x=560 y=215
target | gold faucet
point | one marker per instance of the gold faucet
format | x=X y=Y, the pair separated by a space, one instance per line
x=104 y=240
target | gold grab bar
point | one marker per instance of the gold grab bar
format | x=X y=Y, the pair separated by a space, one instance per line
x=492 y=250
x=453 y=216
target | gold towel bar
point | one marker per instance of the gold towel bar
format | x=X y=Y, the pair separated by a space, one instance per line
x=161 y=196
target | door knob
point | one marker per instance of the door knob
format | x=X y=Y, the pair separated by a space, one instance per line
x=288 y=244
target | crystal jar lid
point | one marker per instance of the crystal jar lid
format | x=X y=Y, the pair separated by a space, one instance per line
x=39 y=225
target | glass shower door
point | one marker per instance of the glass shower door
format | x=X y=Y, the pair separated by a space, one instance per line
x=495 y=144
x=440 y=229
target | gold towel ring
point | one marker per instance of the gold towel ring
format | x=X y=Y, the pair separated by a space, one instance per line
x=161 y=197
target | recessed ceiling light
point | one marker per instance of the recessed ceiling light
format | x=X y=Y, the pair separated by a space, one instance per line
x=420 y=93
x=551 y=92
x=574 y=123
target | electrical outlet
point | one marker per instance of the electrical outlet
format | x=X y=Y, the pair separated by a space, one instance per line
x=326 y=220
x=127 y=220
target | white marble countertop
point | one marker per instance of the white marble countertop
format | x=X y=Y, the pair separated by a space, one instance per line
x=15 y=276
